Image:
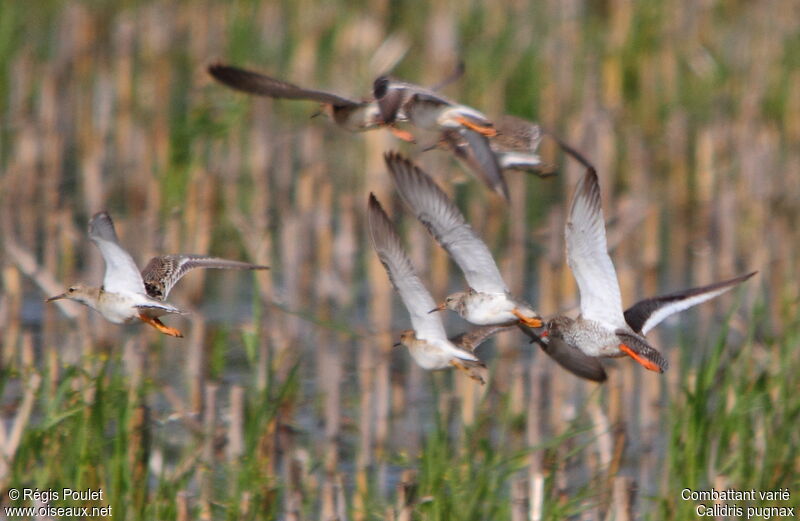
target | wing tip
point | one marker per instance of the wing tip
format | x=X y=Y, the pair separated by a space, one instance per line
x=374 y=207
x=222 y=72
x=381 y=230
x=587 y=195
x=411 y=180
x=101 y=225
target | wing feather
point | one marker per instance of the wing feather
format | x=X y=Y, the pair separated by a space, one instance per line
x=415 y=296
x=587 y=255
x=647 y=314
x=122 y=274
x=163 y=272
x=263 y=85
x=471 y=340
x=485 y=163
x=568 y=356
x=446 y=224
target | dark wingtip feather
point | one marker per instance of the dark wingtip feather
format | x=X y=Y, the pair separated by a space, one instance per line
x=223 y=73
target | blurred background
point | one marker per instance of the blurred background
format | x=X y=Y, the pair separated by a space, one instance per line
x=286 y=400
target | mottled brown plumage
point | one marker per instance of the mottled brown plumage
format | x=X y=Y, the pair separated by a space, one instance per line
x=162 y=272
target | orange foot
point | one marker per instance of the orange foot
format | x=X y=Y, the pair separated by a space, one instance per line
x=647 y=364
x=487 y=131
x=156 y=323
x=528 y=321
x=402 y=134
x=472 y=374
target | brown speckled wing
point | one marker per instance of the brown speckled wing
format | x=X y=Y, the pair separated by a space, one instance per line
x=162 y=272
x=470 y=340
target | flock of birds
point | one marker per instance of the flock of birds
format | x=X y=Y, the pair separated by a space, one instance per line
x=488 y=148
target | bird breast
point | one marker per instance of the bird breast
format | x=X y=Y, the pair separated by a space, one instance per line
x=428 y=355
x=487 y=309
x=116 y=308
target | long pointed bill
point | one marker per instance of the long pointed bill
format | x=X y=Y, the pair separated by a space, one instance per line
x=57 y=297
x=440 y=307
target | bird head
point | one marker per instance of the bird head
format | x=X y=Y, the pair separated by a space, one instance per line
x=79 y=293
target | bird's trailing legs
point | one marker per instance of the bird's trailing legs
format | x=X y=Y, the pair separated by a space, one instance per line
x=156 y=323
x=644 y=362
x=480 y=129
x=528 y=321
x=470 y=371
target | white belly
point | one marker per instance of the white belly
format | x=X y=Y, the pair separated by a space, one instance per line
x=484 y=309
x=430 y=357
x=117 y=309
x=362 y=119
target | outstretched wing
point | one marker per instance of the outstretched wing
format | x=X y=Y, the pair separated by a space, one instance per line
x=470 y=340
x=587 y=255
x=162 y=272
x=447 y=225
x=647 y=314
x=484 y=162
x=415 y=296
x=568 y=356
x=256 y=83
x=122 y=275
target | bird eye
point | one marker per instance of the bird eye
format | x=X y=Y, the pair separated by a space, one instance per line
x=71 y=290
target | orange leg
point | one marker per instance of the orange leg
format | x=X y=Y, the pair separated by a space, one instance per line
x=486 y=131
x=647 y=364
x=472 y=374
x=402 y=134
x=156 y=323
x=528 y=321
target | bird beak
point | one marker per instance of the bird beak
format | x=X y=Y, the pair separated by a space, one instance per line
x=57 y=297
x=440 y=307
x=431 y=147
x=397 y=344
